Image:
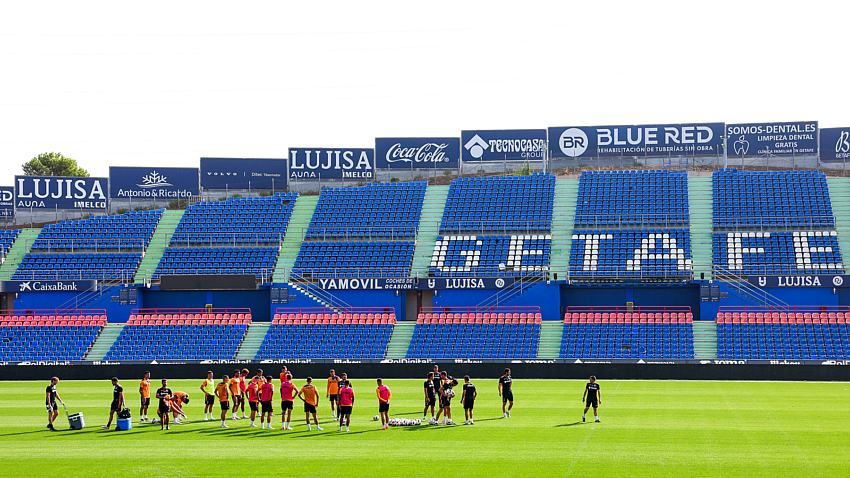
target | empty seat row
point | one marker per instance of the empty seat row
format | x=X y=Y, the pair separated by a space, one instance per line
x=374 y=210
x=340 y=340
x=236 y=221
x=522 y=203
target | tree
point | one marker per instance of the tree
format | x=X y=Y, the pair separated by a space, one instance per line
x=53 y=164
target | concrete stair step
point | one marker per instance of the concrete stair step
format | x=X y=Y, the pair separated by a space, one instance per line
x=253 y=340
x=400 y=340
x=108 y=335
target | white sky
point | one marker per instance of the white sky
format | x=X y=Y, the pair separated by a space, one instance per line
x=162 y=83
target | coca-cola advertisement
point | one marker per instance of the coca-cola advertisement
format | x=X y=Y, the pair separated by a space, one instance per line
x=417 y=153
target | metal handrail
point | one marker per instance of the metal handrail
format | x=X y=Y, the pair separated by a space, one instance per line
x=743 y=287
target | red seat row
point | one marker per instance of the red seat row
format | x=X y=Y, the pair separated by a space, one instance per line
x=630 y=320
x=493 y=315
x=153 y=320
x=332 y=319
x=629 y=315
x=54 y=321
x=782 y=315
x=787 y=320
x=480 y=320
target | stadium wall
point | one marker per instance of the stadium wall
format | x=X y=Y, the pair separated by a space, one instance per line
x=543 y=295
x=259 y=301
x=555 y=371
x=54 y=300
x=641 y=296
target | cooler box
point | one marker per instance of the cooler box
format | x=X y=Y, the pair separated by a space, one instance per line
x=124 y=424
x=77 y=421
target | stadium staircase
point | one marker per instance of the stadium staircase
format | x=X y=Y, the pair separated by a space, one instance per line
x=551 y=332
x=400 y=339
x=705 y=339
x=104 y=341
x=321 y=298
x=429 y=228
x=16 y=253
x=839 y=196
x=160 y=240
x=253 y=340
x=566 y=192
x=298 y=224
x=701 y=222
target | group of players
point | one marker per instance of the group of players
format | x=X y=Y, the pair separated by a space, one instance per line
x=258 y=392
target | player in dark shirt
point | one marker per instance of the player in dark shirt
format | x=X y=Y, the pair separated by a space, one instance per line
x=507 y=393
x=50 y=402
x=430 y=396
x=468 y=398
x=594 y=398
x=164 y=393
x=446 y=394
x=117 y=401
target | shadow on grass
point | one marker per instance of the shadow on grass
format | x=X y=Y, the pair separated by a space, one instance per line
x=573 y=424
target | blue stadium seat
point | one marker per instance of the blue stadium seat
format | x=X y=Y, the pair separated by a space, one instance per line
x=236 y=221
x=131 y=231
x=190 y=338
x=761 y=253
x=629 y=336
x=783 y=336
x=354 y=259
x=621 y=254
x=329 y=338
x=67 y=266
x=475 y=256
x=217 y=260
x=375 y=210
x=58 y=337
x=472 y=338
x=771 y=199
x=653 y=198
x=493 y=205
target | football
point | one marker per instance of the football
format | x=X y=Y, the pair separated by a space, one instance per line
x=432 y=421
x=450 y=393
x=375 y=418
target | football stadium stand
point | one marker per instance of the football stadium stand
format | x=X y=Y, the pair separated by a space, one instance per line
x=476 y=256
x=354 y=259
x=218 y=260
x=491 y=334
x=190 y=334
x=374 y=210
x=383 y=213
x=632 y=198
x=638 y=334
x=798 y=252
x=101 y=266
x=631 y=254
x=784 y=335
x=634 y=202
x=299 y=334
x=130 y=231
x=236 y=221
x=7 y=238
x=49 y=335
x=493 y=205
x=772 y=199
x=776 y=222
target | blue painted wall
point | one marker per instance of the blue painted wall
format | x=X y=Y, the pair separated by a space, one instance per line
x=641 y=296
x=543 y=295
x=53 y=300
x=791 y=296
x=256 y=300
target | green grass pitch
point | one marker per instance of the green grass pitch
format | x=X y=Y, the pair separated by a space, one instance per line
x=649 y=428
